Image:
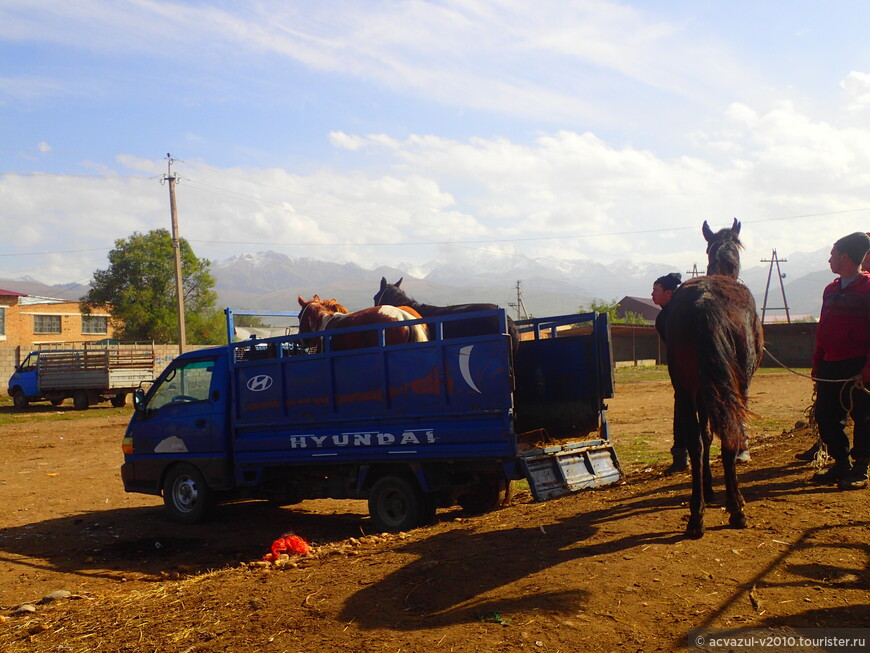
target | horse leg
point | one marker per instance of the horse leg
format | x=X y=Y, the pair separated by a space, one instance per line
x=707 y=439
x=687 y=418
x=734 y=501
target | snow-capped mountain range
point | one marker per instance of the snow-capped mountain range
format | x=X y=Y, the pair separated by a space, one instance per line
x=271 y=281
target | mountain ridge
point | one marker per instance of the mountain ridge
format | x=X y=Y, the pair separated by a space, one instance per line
x=269 y=280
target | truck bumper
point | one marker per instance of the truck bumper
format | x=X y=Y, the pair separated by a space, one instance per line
x=148 y=485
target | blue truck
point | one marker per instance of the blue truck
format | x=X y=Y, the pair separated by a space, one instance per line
x=409 y=427
x=87 y=373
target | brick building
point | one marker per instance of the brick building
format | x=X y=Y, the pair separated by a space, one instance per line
x=26 y=320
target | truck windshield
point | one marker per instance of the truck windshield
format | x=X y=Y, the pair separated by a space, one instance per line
x=186 y=383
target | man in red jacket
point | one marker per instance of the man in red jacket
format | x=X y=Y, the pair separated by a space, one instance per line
x=840 y=357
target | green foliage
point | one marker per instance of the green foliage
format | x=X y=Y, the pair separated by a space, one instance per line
x=631 y=318
x=249 y=321
x=139 y=286
x=601 y=306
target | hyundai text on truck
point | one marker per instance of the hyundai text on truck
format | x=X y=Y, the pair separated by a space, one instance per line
x=409 y=427
x=88 y=374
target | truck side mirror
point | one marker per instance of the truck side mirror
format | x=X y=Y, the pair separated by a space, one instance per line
x=139 y=399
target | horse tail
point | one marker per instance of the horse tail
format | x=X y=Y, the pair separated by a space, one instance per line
x=727 y=358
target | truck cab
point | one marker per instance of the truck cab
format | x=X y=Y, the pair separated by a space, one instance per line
x=24 y=382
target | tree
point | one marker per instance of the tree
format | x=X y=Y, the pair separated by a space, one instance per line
x=139 y=286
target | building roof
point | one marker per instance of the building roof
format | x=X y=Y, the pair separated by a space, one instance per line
x=12 y=293
x=643 y=306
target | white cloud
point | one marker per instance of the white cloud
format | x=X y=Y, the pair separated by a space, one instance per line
x=857 y=88
x=584 y=197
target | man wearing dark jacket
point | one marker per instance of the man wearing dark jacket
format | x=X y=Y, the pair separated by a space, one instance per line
x=841 y=357
x=663 y=288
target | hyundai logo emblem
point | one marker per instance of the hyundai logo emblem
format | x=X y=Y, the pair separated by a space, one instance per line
x=259 y=383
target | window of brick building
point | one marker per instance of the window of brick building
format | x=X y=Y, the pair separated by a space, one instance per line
x=46 y=324
x=2 y=320
x=94 y=324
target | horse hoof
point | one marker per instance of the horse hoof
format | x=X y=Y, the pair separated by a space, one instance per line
x=695 y=532
x=737 y=521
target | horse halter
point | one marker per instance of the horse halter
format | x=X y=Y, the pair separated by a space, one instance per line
x=299 y=317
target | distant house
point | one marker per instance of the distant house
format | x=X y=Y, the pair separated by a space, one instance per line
x=27 y=320
x=642 y=306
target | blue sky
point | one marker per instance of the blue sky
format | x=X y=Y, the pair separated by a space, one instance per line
x=408 y=131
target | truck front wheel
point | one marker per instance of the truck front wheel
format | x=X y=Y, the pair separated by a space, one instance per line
x=185 y=494
x=397 y=504
x=19 y=400
x=80 y=400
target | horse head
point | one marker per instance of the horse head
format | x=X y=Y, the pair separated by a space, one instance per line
x=391 y=294
x=312 y=314
x=723 y=250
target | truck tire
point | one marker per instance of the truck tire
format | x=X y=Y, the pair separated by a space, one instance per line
x=486 y=496
x=19 y=400
x=80 y=400
x=56 y=401
x=397 y=504
x=186 y=496
x=119 y=400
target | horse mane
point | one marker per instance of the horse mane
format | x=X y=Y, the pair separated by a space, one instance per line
x=333 y=305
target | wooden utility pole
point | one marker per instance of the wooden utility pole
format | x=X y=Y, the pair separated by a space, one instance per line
x=694 y=271
x=519 y=306
x=177 y=247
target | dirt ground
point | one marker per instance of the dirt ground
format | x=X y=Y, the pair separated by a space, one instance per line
x=601 y=570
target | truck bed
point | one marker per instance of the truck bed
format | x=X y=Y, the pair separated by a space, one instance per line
x=455 y=399
x=98 y=369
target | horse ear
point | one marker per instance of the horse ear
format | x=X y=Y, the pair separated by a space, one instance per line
x=383 y=283
x=736 y=227
x=399 y=282
x=302 y=302
x=708 y=233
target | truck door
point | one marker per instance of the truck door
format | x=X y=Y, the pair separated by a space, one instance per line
x=185 y=414
x=25 y=377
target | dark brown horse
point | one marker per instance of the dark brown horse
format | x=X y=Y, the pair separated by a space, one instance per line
x=714 y=347
x=328 y=314
x=391 y=294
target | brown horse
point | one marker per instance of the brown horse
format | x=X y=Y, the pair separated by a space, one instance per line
x=324 y=315
x=714 y=347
